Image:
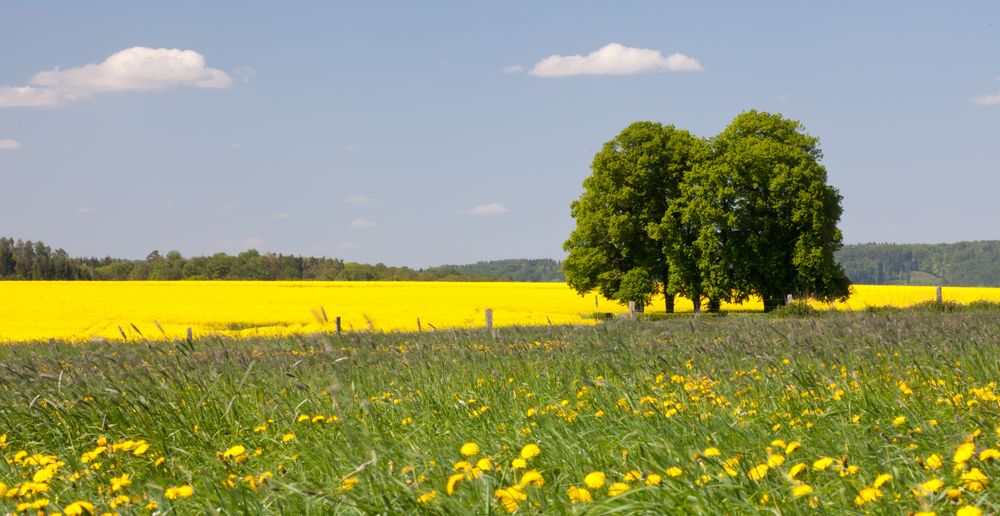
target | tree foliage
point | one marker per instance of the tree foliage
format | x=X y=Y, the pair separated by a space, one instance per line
x=634 y=179
x=748 y=213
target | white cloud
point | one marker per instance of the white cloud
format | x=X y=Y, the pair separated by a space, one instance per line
x=493 y=208
x=362 y=224
x=513 y=69
x=26 y=96
x=357 y=199
x=245 y=73
x=614 y=59
x=8 y=144
x=132 y=69
x=987 y=100
x=281 y=215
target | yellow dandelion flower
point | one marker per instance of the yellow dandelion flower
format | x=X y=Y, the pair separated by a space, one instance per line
x=775 y=460
x=594 y=480
x=578 y=495
x=509 y=498
x=674 y=472
x=757 y=472
x=530 y=451
x=792 y=447
x=969 y=510
x=469 y=449
x=453 y=482
x=348 y=483
x=633 y=475
x=900 y=420
x=711 y=452
x=868 y=494
x=518 y=463
x=484 y=464
x=822 y=463
x=182 y=491
x=79 y=507
x=532 y=477
x=989 y=454
x=234 y=452
x=617 y=488
x=653 y=479
x=795 y=470
x=119 y=500
x=881 y=480
x=931 y=486
x=119 y=483
x=802 y=490
x=288 y=437
x=975 y=480
x=427 y=497
x=933 y=462
x=964 y=452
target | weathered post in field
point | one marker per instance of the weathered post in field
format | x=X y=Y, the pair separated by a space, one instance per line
x=419 y=329
x=937 y=293
x=632 y=312
x=189 y=336
x=336 y=321
x=789 y=299
x=489 y=319
x=597 y=309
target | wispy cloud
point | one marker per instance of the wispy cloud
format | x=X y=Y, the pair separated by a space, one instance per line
x=8 y=144
x=362 y=224
x=987 y=100
x=357 y=199
x=614 y=59
x=513 y=69
x=493 y=208
x=132 y=69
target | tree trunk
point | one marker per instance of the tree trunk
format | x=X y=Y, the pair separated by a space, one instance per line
x=696 y=300
x=714 y=305
x=668 y=302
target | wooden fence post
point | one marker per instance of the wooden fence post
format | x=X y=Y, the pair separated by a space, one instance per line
x=489 y=319
x=336 y=321
x=937 y=292
x=632 y=312
x=419 y=329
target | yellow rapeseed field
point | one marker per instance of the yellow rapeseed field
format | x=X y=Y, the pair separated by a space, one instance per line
x=82 y=311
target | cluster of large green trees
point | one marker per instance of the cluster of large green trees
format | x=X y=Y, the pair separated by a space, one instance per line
x=745 y=213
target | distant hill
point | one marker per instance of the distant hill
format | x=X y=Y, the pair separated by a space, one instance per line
x=543 y=269
x=966 y=264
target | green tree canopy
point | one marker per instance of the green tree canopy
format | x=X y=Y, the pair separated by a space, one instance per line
x=748 y=213
x=767 y=217
x=634 y=179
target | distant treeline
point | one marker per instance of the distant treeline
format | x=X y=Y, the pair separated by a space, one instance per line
x=33 y=260
x=959 y=264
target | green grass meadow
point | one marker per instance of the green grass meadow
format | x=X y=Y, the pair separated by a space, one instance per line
x=376 y=423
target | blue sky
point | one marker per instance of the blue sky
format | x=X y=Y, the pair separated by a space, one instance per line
x=437 y=133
